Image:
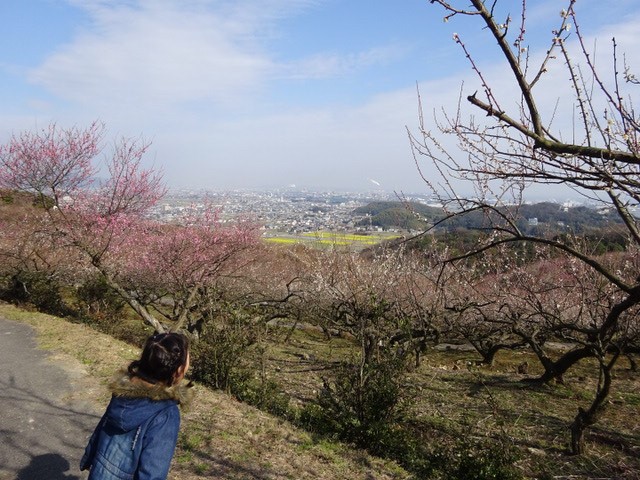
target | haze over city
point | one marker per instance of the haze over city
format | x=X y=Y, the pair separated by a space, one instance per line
x=266 y=94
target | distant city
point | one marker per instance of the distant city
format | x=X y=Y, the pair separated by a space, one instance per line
x=286 y=211
x=291 y=211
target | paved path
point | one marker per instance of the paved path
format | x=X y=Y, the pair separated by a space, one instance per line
x=43 y=431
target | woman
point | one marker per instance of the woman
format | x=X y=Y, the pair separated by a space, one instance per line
x=137 y=435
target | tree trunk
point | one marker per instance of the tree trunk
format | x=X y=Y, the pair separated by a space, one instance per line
x=633 y=366
x=577 y=428
x=133 y=303
x=585 y=418
x=369 y=348
x=555 y=370
x=489 y=355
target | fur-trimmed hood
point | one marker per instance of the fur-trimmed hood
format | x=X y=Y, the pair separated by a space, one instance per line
x=125 y=386
x=134 y=401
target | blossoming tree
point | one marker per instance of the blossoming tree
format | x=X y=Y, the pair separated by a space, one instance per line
x=521 y=139
x=106 y=222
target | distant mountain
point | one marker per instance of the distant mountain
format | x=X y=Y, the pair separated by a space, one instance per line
x=405 y=215
x=579 y=217
x=417 y=216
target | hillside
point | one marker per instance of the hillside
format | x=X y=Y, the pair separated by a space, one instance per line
x=404 y=215
x=220 y=437
x=456 y=411
x=417 y=216
x=15 y=204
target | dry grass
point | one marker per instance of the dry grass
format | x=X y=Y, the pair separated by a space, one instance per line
x=455 y=396
x=220 y=438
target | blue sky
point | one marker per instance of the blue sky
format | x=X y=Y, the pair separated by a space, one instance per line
x=260 y=93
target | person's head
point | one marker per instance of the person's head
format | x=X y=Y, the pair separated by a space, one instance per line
x=164 y=359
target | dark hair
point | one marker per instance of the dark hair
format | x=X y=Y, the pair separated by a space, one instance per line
x=162 y=356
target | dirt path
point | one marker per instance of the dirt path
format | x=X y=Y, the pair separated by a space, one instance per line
x=44 y=420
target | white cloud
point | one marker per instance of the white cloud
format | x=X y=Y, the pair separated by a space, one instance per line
x=332 y=147
x=324 y=65
x=160 y=54
x=154 y=52
x=143 y=56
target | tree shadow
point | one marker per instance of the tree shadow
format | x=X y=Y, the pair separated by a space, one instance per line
x=51 y=466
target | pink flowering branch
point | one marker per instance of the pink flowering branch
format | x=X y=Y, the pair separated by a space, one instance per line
x=51 y=162
x=107 y=225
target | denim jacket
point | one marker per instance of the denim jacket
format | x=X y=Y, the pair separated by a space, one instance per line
x=137 y=435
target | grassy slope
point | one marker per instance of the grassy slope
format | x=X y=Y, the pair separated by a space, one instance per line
x=455 y=397
x=220 y=438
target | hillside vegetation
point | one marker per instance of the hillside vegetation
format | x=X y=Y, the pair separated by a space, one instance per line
x=494 y=346
x=407 y=216
x=547 y=215
x=220 y=437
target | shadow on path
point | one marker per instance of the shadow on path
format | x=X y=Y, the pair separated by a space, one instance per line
x=43 y=431
x=51 y=466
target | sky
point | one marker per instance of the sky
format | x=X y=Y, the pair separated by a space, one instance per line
x=264 y=94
